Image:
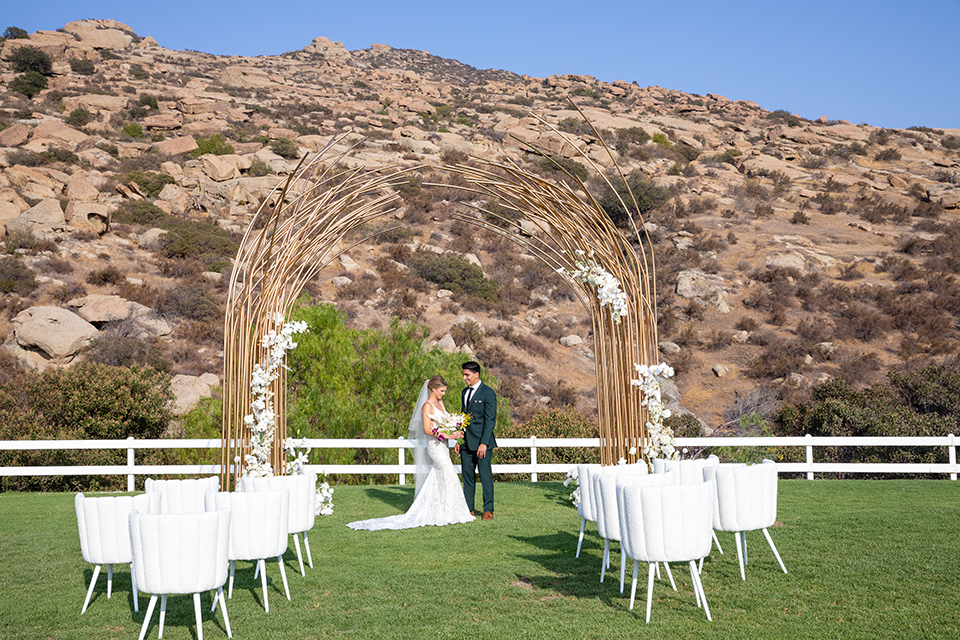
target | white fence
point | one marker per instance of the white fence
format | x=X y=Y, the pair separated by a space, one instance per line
x=403 y=467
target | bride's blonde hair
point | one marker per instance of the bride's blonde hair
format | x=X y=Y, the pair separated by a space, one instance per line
x=436 y=382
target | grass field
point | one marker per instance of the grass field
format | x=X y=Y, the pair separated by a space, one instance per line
x=866 y=559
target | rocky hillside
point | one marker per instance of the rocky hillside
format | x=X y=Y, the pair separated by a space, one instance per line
x=788 y=250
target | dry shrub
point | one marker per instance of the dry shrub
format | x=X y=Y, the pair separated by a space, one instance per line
x=562 y=395
x=106 y=276
x=717 y=339
x=747 y=323
x=362 y=288
x=859 y=368
x=779 y=359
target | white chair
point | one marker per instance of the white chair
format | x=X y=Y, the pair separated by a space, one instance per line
x=182 y=496
x=585 y=508
x=303 y=497
x=620 y=482
x=104 y=529
x=689 y=472
x=258 y=530
x=746 y=501
x=604 y=501
x=668 y=523
x=180 y=553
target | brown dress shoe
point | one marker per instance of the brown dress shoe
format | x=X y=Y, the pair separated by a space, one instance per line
x=488 y=515
x=472 y=513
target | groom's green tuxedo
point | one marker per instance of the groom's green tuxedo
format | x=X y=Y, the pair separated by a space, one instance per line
x=482 y=410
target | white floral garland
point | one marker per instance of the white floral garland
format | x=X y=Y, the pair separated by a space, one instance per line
x=659 y=440
x=262 y=420
x=609 y=292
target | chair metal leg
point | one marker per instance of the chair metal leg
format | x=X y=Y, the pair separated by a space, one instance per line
x=233 y=565
x=283 y=573
x=163 y=613
x=109 y=580
x=700 y=566
x=583 y=524
x=296 y=543
x=606 y=559
x=623 y=567
x=198 y=616
x=633 y=589
x=149 y=614
x=746 y=556
x=136 y=594
x=716 y=541
x=696 y=592
x=256 y=569
x=93 y=583
x=223 y=607
x=263 y=581
x=649 y=591
x=306 y=545
x=670 y=575
x=774 y=547
x=698 y=584
x=736 y=537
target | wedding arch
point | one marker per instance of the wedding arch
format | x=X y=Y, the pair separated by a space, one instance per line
x=302 y=227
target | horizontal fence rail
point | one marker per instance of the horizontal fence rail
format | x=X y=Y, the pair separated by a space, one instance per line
x=403 y=468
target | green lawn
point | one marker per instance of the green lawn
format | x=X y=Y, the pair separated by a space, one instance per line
x=867 y=559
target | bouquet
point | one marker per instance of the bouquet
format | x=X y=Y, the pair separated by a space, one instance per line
x=446 y=424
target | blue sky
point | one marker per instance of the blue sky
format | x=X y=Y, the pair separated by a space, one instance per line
x=885 y=63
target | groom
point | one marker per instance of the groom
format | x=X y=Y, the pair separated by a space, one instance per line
x=480 y=403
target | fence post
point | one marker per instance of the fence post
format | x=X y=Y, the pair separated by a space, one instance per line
x=130 y=463
x=809 y=458
x=402 y=462
x=952 y=453
x=533 y=457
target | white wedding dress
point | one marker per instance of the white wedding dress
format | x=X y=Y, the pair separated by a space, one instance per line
x=439 y=496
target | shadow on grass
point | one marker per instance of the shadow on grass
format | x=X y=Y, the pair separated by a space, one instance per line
x=398 y=497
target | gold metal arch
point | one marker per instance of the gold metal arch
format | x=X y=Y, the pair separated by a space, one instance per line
x=315 y=208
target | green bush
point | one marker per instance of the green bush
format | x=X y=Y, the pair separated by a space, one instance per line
x=192 y=302
x=16 y=277
x=147 y=100
x=124 y=351
x=922 y=403
x=215 y=144
x=86 y=401
x=78 y=117
x=197 y=240
x=14 y=33
x=29 y=58
x=285 y=148
x=29 y=84
x=349 y=383
x=259 y=168
x=552 y=423
x=454 y=273
x=138 y=212
x=661 y=139
x=138 y=72
x=556 y=164
x=149 y=182
x=648 y=196
x=132 y=129
x=83 y=67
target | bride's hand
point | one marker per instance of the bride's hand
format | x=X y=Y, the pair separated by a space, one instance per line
x=456 y=435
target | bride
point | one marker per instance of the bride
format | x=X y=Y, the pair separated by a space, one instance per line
x=438 y=496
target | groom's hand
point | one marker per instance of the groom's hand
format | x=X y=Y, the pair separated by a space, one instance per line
x=456 y=448
x=482 y=451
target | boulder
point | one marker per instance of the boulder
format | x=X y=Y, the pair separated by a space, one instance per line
x=571 y=341
x=97 y=102
x=84 y=186
x=88 y=216
x=188 y=391
x=176 y=196
x=57 y=130
x=58 y=332
x=146 y=323
x=150 y=238
x=340 y=281
x=720 y=370
x=8 y=212
x=695 y=283
x=164 y=121
x=669 y=348
x=176 y=146
x=787 y=260
x=219 y=168
x=102 y=308
x=447 y=344
x=14 y=136
x=42 y=219
x=101 y=34
x=348 y=264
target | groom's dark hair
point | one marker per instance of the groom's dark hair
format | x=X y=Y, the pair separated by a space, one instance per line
x=471 y=366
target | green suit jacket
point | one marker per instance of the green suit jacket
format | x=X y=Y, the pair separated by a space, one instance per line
x=483 y=417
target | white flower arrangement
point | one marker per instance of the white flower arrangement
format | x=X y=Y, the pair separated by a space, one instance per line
x=659 y=441
x=297 y=465
x=609 y=292
x=573 y=478
x=262 y=418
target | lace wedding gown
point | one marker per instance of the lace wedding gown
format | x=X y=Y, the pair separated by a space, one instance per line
x=438 y=502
